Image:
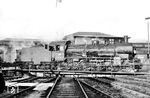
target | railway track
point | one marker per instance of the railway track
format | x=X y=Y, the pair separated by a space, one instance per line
x=92 y=92
x=26 y=91
x=74 y=88
x=66 y=88
x=104 y=85
x=136 y=86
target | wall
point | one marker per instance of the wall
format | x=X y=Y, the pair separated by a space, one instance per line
x=83 y=40
x=89 y=40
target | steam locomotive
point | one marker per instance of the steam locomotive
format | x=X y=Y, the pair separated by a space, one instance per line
x=64 y=51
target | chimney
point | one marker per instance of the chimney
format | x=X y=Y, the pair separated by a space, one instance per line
x=126 y=39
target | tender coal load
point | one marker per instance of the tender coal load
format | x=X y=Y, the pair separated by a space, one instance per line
x=2 y=83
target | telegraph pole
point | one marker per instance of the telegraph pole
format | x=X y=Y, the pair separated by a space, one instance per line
x=148 y=35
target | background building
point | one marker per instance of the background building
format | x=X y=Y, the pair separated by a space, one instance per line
x=94 y=38
x=10 y=46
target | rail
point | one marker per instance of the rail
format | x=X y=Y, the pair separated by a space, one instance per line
x=96 y=90
x=104 y=82
x=52 y=89
x=81 y=87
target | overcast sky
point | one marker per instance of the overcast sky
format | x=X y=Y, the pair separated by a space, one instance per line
x=41 y=19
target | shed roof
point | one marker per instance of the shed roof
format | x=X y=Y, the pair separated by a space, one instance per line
x=93 y=34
